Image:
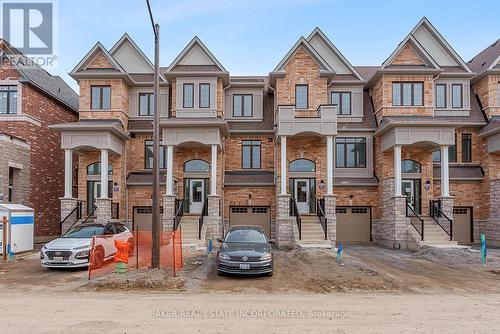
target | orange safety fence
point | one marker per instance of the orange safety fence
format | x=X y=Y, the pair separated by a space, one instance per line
x=104 y=251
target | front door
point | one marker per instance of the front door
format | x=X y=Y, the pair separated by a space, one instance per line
x=196 y=191
x=409 y=191
x=302 y=195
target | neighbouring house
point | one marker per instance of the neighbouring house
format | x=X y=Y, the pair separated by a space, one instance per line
x=317 y=151
x=31 y=159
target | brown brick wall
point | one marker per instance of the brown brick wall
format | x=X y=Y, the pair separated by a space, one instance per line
x=302 y=69
x=239 y=196
x=234 y=151
x=361 y=196
x=487 y=90
x=407 y=56
x=100 y=61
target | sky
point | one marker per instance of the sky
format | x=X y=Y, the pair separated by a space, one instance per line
x=250 y=37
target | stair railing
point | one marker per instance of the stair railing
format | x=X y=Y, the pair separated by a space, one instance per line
x=409 y=209
x=436 y=213
x=320 y=212
x=204 y=212
x=179 y=212
x=78 y=214
x=294 y=212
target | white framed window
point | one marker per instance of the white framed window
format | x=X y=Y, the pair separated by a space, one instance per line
x=440 y=96
x=456 y=96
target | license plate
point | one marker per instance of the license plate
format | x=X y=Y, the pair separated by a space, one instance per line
x=58 y=258
x=244 y=265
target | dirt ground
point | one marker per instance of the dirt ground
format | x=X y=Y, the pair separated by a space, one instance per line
x=371 y=288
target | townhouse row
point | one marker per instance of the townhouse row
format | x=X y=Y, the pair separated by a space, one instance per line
x=318 y=151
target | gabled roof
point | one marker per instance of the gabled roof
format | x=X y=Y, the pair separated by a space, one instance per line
x=52 y=85
x=486 y=60
x=331 y=54
x=302 y=42
x=140 y=57
x=195 y=54
x=90 y=56
x=436 y=45
x=415 y=45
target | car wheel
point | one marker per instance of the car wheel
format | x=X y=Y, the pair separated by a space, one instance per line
x=270 y=274
x=220 y=273
x=98 y=258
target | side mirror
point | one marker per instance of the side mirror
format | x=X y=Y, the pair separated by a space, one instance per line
x=272 y=242
x=220 y=240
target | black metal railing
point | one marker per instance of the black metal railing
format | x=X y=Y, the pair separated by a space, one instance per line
x=77 y=211
x=179 y=212
x=86 y=218
x=294 y=212
x=115 y=210
x=320 y=212
x=204 y=212
x=420 y=220
x=441 y=218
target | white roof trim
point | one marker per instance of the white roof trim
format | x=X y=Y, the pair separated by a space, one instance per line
x=419 y=47
x=125 y=38
x=188 y=47
x=317 y=31
x=494 y=63
x=92 y=53
x=443 y=41
x=314 y=53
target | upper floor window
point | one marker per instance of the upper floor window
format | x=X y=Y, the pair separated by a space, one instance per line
x=146 y=104
x=456 y=96
x=204 y=95
x=188 y=95
x=466 y=147
x=250 y=154
x=301 y=96
x=101 y=97
x=242 y=105
x=440 y=96
x=407 y=94
x=350 y=152
x=8 y=99
x=452 y=153
x=343 y=102
x=148 y=155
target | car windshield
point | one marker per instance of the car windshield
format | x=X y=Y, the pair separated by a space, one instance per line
x=250 y=235
x=84 y=231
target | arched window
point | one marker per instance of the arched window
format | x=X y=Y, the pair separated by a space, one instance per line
x=302 y=165
x=95 y=169
x=410 y=166
x=197 y=166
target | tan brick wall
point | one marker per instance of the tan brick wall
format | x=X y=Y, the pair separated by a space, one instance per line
x=407 y=56
x=100 y=61
x=487 y=90
x=234 y=151
x=136 y=151
x=119 y=100
x=302 y=69
x=382 y=96
x=361 y=196
x=239 y=196
x=141 y=196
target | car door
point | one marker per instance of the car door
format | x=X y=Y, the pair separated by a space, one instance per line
x=108 y=240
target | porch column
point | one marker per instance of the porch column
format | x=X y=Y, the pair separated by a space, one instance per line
x=104 y=173
x=397 y=170
x=68 y=173
x=213 y=170
x=170 y=170
x=283 y=165
x=445 y=178
x=329 y=165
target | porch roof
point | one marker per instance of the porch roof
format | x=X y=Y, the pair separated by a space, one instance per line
x=460 y=172
x=249 y=178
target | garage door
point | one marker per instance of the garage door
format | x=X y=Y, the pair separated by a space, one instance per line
x=143 y=218
x=462 y=224
x=251 y=215
x=353 y=224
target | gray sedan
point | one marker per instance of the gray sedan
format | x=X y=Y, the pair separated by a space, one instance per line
x=245 y=250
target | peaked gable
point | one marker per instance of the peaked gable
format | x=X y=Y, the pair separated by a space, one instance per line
x=303 y=44
x=99 y=61
x=325 y=48
x=410 y=52
x=131 y=57
x=408 y=56
x=196 y=54
x=97 y=56
x=437 y=47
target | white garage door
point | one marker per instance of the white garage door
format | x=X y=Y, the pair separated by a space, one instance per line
x=353 y=224
x=251 y=215
x=462 y=224
x=143 y=218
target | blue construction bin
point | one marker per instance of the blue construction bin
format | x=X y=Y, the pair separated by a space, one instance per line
x=20 y=228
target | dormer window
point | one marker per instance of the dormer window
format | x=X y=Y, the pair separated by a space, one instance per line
x=242 y=105
x=100 y=97
x=343 y=102
x=301 y=96
x=407 y=94
x=456 y=96
x=146 y=104
x=188 y=95
x=204 y=95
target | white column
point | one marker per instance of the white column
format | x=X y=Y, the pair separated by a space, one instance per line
x=170 y=170
x=445 y=181
x=397 y=170
x=329 y=165
x=213 y=176
x=104 y=173
x=284 y=179
x=68 y=173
